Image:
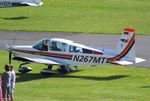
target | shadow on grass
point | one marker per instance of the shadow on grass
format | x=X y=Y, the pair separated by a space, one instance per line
x=28 y=77
x=37 y=76
x=145 y=86
x=107 y=78
x=16 y=18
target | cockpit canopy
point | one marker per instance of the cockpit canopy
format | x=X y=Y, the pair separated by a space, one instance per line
x=42 y=45
x=63 y=45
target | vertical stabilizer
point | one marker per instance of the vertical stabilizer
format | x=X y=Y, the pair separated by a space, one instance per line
x=125 y=47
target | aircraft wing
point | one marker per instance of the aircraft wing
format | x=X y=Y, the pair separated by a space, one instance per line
x=32 y=4
x=39 y=60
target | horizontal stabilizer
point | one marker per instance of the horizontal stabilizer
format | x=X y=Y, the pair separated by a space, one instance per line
x=137 y=60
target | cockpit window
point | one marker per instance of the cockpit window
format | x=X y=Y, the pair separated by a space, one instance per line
x=58 y=46
x=42 y=45
x=87 y=51
x=75 y=49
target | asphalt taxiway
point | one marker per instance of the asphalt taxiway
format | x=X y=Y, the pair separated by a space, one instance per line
x=98 y=40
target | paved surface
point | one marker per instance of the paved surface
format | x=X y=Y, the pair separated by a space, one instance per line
x=29 y=38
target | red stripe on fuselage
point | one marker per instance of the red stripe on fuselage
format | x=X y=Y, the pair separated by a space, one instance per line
x=44 y=53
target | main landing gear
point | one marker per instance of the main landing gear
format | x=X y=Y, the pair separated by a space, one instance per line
x=62 y=69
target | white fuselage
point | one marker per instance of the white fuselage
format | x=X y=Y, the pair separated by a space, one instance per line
x=64 y=58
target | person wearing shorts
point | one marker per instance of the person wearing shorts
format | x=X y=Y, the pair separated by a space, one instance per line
x=6 y=84
x=13 y=80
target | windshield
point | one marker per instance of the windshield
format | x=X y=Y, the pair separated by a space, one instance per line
x=41 y=45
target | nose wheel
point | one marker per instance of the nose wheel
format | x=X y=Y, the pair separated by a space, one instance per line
x=24 y=69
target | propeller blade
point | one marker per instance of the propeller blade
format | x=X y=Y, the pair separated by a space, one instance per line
x=6 y=45
x=9 y=57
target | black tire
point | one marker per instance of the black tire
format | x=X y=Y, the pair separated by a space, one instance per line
x=63 y=70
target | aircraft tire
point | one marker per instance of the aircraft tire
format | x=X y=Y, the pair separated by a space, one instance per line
x=63 y=70
x=47 y=72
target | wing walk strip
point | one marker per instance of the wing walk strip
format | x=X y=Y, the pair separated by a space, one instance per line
x=125 y=51
x=57 y=55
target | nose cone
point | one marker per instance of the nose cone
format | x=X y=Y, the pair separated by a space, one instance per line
x=9 y=48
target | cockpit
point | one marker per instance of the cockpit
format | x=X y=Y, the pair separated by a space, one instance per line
x=63 y=45
x=53 y=44
x=42 y=45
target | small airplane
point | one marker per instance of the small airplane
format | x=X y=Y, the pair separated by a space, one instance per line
x=66 y=54
x=14 y=3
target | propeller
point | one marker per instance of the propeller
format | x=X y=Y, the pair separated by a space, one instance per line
x=10 y=55
x=9 y=49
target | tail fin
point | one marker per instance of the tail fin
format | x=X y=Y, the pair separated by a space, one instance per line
x=125 y=48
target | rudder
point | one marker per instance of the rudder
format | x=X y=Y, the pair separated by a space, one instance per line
x=125 y=48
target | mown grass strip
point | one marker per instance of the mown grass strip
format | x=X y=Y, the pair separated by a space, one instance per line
x=85 y=16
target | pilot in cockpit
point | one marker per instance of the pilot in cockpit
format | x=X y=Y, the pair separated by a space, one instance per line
x=45 y=45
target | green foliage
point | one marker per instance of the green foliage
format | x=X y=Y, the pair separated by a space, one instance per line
x=86 y=16
x=99 y=83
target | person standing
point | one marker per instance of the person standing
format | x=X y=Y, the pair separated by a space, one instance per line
x=13 y=80
x=1 y=94
x=6 y=83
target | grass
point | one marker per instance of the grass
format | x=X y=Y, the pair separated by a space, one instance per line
x=99 y=83
x=85 y=16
